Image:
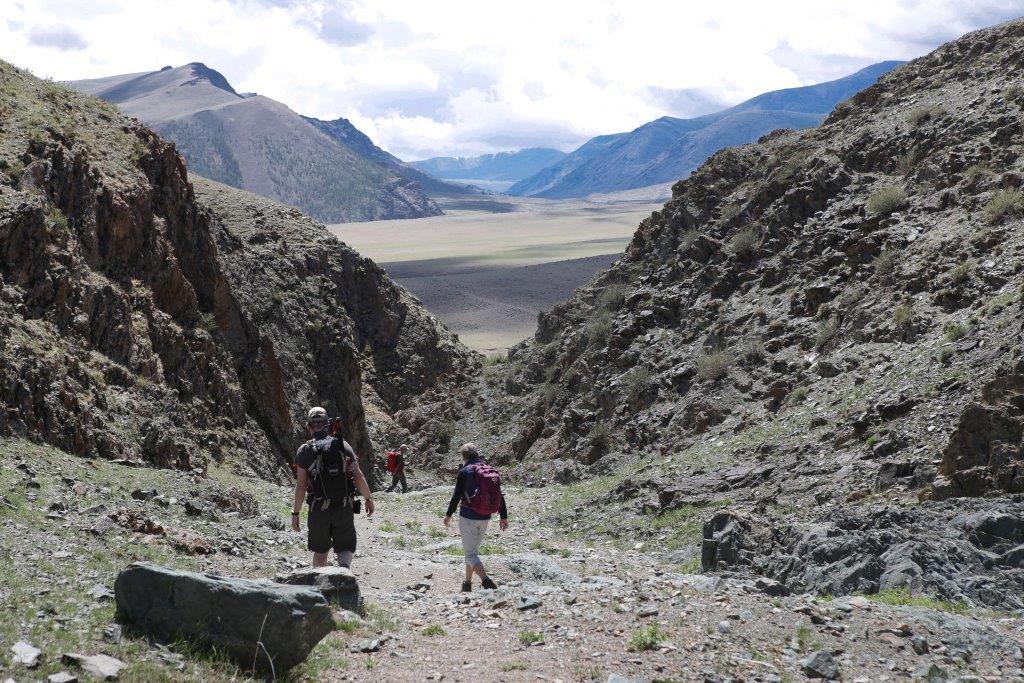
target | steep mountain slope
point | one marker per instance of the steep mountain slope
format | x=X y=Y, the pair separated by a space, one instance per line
x=142 y=323
x=817 y=331
x=668 y=149
x=347 y=134
x=255 y=143
x=510 y=166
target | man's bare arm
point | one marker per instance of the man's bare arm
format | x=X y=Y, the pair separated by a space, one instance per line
x=364 y=488
x=301 y=484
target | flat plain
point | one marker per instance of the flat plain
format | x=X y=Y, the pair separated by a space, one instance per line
x=487 y=268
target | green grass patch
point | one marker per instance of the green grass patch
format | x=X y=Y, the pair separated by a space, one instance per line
x=886 y=200
x=433 y=630
x=901 y=597
x=509 y=667
x=529 y=638
x=646 y=639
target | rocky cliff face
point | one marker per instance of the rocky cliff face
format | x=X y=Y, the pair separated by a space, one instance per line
x=816 y=326
x=140 y=323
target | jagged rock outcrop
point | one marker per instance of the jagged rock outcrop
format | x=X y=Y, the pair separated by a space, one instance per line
x=141 y=323
x=813 y=323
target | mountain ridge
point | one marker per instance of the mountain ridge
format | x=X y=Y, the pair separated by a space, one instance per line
x=502 y=166
x=255 y=143
x=668 y=148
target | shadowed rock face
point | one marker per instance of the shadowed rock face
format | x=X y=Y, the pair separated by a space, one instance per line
x=141 y=323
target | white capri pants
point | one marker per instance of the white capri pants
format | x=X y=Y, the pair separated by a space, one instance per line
x=472 y=532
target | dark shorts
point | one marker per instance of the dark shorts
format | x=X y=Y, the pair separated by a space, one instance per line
x=332 y=528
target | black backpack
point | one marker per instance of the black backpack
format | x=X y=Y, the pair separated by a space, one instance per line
x=328 y=473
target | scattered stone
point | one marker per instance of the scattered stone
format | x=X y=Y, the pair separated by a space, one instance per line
x=102 y=526
x=930 y=672
x=527 y=602
x=253 y=621
x=920 y=645
x=770 y=587
x=368 y=645
x=25 y=654
x=137 y=521
x=112 y=633
x=337 y=584
x=820 y=664
x=649 y=611
x=189 y=542
x=103 y=667
x=62 y=677
x=101 y=593
x=724 y=627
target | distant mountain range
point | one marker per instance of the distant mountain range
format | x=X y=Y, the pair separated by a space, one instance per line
x=328 y=169
x=669 y=149
x=509 y=166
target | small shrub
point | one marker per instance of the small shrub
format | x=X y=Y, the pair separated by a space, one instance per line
x=600 y=435
x=884 y=265
x=636 y=382
x=751 y=349
x=1013 y=92
x=959 y=274
x=57 y=220
x=647 y=639
x=745 y=242
x=909 y=161
x=512 y=666
x=827 y=331
x=975 y=171
x=599 y=326
x=851 y=297
x=903 y=317
x=688 y=239
x=945 y=354
x=886 y=200
x=955 y=332
x=797 y=396
x=209 y=322
x=805 y=639
x=613 y=296
x=445 y=433
x=493 y=359
x=714 y=365
x=549 y=392
x=528 y=638
x=434 y=630
x=1004 y=204
x=923 y=114
x=730 y=211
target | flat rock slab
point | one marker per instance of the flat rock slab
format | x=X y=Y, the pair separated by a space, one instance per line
x=338 y=584
x=103 y=667
x=262 y=625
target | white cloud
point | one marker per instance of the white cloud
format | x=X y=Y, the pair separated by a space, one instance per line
x=466 y=77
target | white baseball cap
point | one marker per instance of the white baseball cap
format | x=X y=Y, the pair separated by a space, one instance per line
x=317 y=414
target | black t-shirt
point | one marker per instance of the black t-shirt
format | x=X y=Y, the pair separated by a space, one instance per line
x=305 y=458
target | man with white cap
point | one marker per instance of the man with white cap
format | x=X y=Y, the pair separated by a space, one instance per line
x=328 y=470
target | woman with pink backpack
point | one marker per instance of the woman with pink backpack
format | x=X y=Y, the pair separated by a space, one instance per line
x=478 y=496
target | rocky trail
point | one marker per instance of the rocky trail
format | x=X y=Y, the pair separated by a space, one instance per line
x=568 y=608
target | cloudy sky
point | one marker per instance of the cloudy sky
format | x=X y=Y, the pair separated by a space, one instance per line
x=453 y=77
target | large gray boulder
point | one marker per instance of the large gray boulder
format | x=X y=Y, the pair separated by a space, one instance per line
x=262 y=625
x=337 y=584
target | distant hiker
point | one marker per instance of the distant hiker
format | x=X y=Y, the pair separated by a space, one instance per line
x=478 y=496
x=327 y=468
x=396 y=466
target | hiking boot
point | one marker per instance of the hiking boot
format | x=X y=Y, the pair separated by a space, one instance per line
x=467 y=586
x=488 y=584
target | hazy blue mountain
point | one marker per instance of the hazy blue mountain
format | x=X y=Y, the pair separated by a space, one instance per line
x=504 y=166
x=257 y=144
x=668 y=149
